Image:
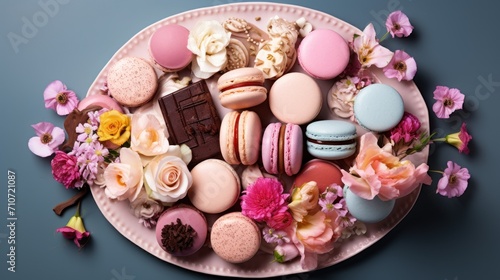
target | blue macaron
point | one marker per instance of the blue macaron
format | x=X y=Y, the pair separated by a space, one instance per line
x=378 y=107
x=368 y=211
x=331 y=139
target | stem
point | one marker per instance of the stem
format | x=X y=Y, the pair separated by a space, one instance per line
x=440 y=139
x=383 y=37
x=437 y=171
x=59 y=209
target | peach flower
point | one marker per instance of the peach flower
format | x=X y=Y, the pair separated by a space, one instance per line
x=318 y=232
x=377 y=172
x=167 y=177
x=148 y=136
x=124 y=179
x=304 y=199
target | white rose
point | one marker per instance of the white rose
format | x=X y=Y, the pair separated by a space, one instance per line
x=208 y=41
x=167 y=177
x=124 y=179
x=146 y=209
x=148 y=136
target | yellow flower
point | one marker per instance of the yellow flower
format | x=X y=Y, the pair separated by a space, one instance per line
x=115 y=127
x=304 y=199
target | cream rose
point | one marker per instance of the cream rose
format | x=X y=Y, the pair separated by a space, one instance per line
x=167 y=178
x=208 y=41
x=148 y=136
x=124 y=179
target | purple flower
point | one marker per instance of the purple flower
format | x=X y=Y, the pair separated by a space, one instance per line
x=398 y=24
x=454 y=181
x=402 y=67
x=272 y=235
x=326 y=202
x=47 y=140
x=263 y=199
x=57 y=97
x=65 y=170
x=406 y=130
x=447 y=101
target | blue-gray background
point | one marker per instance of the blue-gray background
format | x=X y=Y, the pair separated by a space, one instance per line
x=455 y=44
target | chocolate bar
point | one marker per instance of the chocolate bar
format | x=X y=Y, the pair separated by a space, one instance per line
x=193 y=120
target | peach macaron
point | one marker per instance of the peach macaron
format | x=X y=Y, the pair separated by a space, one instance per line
x=239 y=137
x=132 y=81
x=235 y=238
x=295 y=98
x=216 y=186
x=242 y=88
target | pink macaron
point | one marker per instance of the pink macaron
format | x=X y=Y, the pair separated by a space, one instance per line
x=216 y=186
x=101 y=100
x=239 y=137
x=235 y=238
x=295 y=98
x=242 y=88
x=323 y=54
x=132 y=81
x=282 y=148
x=181 y=230
x=168 y=47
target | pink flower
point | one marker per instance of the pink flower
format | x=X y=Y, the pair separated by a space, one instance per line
x=447 y=101
x=377 y=171
x=263 y=199
x=459 y=139
x=280 y=220
x=57 y=97
x=398 y=24
x=402 y=67
x=75 y=230
x=65 y=170
x=406 y=130
x=47 y=140
x=368 y=49
x=454 y=181
x=285 y=252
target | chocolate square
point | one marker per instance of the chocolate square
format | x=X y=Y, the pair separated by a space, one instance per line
x=193 y=120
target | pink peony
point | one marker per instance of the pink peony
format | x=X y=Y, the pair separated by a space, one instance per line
x=454 y=181
x=47 y=140
x=377 y=172
x=402 y=67
x=398 y=24
x=406 y=130
x=447 y=101
x=57 y=97
x=280 y=220
x=65 y=169
x=263 y=199
x=368 y=49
